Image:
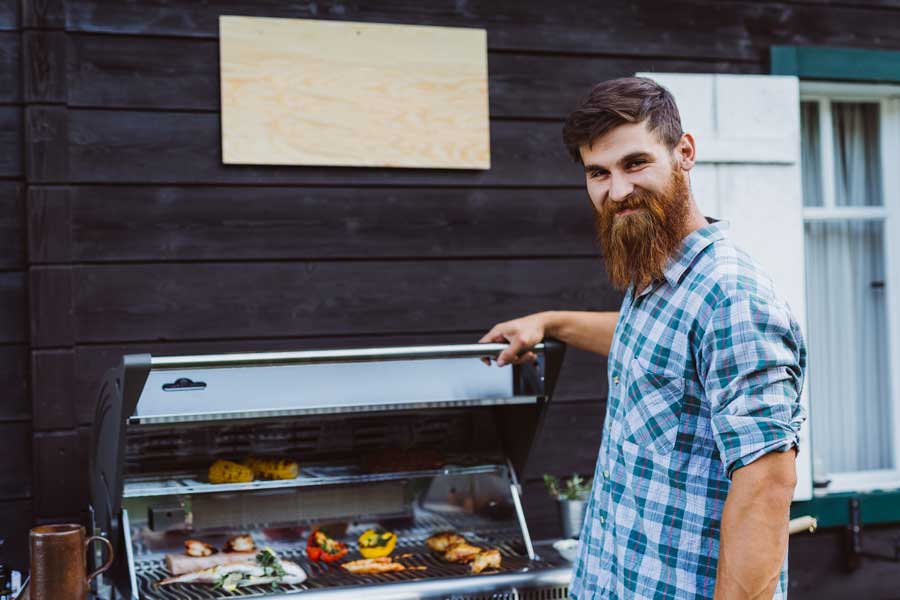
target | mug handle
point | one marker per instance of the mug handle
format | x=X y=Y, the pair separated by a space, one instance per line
x=109 y=558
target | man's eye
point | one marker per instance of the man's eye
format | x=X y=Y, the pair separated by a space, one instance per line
x=596 y=174
x=636 y=163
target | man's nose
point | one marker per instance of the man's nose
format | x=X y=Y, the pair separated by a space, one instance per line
x=619 y=188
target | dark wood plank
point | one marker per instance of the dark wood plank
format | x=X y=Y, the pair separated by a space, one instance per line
x=44 y=14
x=741 y=30
x=47 y=143
x=172 y=73
x=570 y=439
x=159 y=147
x=15 y=476
x=52 y=390
x=49 y=221
x=10 y=67
x=9 y=14
x=12 y=225
x=51 y=310
x=119 y=223
x=16 y=518
x=15 y=403
x=583 y=375
x=45 y=66
x=818 y=570
x=12 y=307
x=60 y=472
x=252 y=300
x=541 y=511
x=10 y=141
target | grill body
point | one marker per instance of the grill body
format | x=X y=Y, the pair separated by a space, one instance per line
x=415 y=439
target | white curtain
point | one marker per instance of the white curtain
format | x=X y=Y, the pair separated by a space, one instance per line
x=846 y=323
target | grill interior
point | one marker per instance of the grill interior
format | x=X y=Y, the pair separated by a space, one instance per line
x=411 y=551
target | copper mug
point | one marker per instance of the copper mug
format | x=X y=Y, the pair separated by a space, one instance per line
x=58 y=563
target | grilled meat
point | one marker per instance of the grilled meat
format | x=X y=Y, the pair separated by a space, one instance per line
x=384 y=564
x=439 y=542
x=240 y=543
x=230 y=577
x=461 y=552
x=487 y=559
x=178 y=564
x=198 y=548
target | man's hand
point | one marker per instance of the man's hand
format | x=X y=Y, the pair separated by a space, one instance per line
x=522 y=334
x=754 y=535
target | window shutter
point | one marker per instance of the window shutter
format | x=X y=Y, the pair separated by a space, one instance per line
x=747 y=129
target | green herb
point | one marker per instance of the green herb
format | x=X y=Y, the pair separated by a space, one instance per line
x=575 y=487
x=268 y=560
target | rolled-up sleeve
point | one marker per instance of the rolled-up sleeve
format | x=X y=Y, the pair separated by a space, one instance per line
x=752 y=361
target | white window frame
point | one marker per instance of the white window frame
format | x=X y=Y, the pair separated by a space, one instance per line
x=888 y=98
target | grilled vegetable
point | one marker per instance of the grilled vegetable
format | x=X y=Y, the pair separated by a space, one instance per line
x=272 y=468
x=375 y=544
x=226 y=471
x=320 y=547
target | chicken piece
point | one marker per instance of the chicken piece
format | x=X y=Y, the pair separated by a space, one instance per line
x=487 y=559
x=198 y=548
x=439 y=542
x=240 y=543
x=462 y=552
x=383 y=564
x=238 y=575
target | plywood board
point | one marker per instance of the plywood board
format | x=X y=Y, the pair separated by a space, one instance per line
x=309 y=92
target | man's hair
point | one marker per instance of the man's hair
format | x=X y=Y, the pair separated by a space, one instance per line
x=620 y=101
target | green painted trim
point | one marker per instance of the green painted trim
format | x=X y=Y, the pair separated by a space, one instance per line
x=817 y=62
x=834 y=510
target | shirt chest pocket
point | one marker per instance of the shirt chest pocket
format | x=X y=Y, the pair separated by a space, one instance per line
x=653 y=404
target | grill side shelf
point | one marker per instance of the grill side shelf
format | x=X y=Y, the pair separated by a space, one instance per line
x=146 y=487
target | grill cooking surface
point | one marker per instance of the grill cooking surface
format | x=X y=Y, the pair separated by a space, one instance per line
x=411 y=551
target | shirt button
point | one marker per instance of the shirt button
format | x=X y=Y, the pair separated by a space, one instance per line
x=602 y=520
x=605 y=474
x=615 y=380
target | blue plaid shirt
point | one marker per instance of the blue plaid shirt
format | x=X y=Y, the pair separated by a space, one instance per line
x=705 y=372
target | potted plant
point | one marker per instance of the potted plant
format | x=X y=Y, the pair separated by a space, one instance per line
x=572 y=494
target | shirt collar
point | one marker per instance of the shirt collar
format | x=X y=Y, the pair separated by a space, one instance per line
x=691 y=247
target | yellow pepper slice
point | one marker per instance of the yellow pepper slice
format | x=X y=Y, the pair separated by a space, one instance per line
x=375 y=544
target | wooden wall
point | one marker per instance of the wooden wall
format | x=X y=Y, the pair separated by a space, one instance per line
x=139 y=239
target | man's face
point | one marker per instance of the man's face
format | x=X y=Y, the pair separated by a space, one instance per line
x=641 y=202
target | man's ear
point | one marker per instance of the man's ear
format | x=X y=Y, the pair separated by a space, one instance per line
x=685 y=152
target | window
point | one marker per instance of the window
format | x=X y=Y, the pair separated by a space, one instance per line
x=850 y=153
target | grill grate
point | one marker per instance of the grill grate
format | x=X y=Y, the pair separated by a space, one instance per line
x=320 y=575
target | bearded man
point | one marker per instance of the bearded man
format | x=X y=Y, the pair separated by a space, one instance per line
x=696 y=469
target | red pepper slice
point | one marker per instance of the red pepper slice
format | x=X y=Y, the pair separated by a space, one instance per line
x=316 y=552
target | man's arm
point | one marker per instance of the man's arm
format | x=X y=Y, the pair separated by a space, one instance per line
x=591 y=331
x=754 y=535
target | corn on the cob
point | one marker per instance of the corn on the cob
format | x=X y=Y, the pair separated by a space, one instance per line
x=226 y=471
x=272 y=468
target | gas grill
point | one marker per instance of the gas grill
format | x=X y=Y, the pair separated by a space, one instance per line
x=415 y=440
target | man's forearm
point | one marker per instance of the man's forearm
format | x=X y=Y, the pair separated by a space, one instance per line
x=591 y=331
x=754 y=534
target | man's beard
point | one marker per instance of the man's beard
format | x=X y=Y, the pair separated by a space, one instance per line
x=637 y=247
